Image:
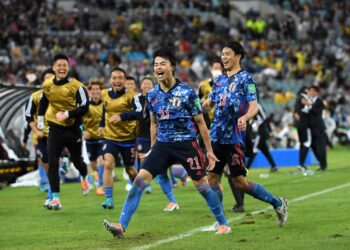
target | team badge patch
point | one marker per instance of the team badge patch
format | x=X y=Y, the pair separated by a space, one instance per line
x=197 y=103
x=251 y=89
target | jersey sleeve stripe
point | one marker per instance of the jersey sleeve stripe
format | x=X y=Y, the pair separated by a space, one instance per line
x=137 y=103
x=82 y=96
x=29 y=107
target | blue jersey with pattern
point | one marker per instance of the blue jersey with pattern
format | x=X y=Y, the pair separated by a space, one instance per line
x=174 y=111
x=231 y=97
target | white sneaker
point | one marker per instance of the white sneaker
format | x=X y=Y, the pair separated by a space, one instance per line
x=128 y=187
x=223 y=229
x=282 y=212
x=148 y=190
x=54 y=204
x=302 y=169
x=171 y=207
x=47 y=202
x=213 y=227
x=125 y=175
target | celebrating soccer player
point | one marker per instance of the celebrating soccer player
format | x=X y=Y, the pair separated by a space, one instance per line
x=176 y=118
x=63 y=102
x=235 y=99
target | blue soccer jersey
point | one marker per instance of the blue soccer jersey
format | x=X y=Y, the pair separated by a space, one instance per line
x=174 y=111
x=231 y=97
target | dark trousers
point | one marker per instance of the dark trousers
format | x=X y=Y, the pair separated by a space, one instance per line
x=59 y=138
x=318 y=145
x=261 y=142
x=304 y=134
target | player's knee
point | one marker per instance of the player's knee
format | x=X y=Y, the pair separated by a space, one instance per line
x=241 y=185
x=108 y=165
x=163 y=178
x=93 y=165
x=131 y=171
x=213 y=179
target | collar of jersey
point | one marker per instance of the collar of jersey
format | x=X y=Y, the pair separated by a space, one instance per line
x=175 y=85
x=95 y=103
x=117 y=94
x=62 y=81
x=239 y=71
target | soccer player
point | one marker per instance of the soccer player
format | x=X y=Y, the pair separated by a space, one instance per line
x=130 y=83
x=235 y=100
x=64 y=101
x=119 y=129
x=94 y=140
x=205 y=87
x=41 y=135
x=176 y=117
x=143 y=142
x=177 y=171
x=262 y=129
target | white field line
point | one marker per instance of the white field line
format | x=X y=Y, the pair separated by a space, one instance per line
x=197 y=230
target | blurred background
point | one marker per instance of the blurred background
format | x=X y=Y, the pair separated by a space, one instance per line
x=289 y=44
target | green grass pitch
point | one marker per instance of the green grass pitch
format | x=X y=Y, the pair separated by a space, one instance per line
x=319 y=216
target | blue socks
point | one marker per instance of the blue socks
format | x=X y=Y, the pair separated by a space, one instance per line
x=165 y=184
x=213 y=203
x=178 y=172
x=49 y=194
x=108 y=192
x=42 y=174
x=100 y=171
x=260 y=193
x=55 y=195
x=132 y=201
x=218 y=192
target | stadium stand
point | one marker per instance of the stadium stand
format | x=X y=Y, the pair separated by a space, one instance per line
x=290 y=43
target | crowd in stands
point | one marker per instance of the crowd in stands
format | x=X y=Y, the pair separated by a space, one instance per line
x=308 y=46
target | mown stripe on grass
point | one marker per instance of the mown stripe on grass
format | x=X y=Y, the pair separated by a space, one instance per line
x=205 y=228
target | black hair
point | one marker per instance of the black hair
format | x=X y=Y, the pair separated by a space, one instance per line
x=130 y=78
x=215 y=59
x=315 y=87
x=303 y=90
x=147 y=77
x=118 y=69
x=167 y=53
x=237 y=48
x=46 y=71
x=60 y=56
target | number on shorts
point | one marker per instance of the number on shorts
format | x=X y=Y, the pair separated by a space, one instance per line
x=193 y=161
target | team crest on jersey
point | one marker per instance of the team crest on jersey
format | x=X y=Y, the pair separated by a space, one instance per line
x=176 y=102
x=232 y=87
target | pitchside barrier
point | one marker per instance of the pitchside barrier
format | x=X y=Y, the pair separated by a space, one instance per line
x=288 y=157
x=12 y=124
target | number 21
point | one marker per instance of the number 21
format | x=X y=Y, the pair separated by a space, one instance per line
x=194 y=160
